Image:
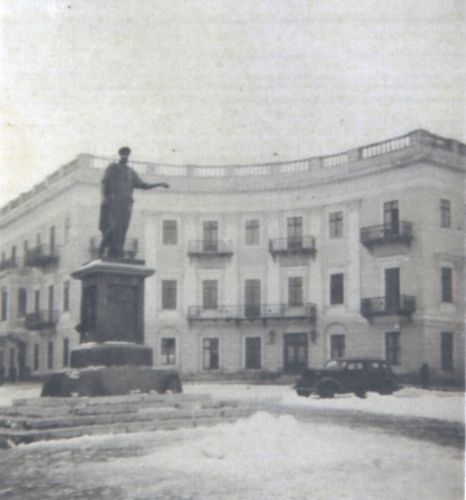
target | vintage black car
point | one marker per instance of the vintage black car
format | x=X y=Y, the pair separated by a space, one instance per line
x=358 y=375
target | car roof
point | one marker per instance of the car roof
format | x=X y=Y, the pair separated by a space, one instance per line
x=378 y=360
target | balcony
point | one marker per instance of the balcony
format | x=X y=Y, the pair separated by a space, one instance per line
x=42 y=256
x=130 y=249
x=8 y=264
x=382 y=306
x=210 y=248
x=304 y=245
x=400 y=232
x=305 y=311
x=41 y=320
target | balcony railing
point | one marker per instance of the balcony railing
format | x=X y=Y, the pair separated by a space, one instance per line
x=383 y=306
x=387 y=233
x=130 y=249
x=41 y=320
x=42 y=256
x=287 y=246
x=206 y=248
x=260 y=311
x=8 y=264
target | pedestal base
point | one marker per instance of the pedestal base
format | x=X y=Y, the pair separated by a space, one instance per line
x=111 y=354
x=109 y=381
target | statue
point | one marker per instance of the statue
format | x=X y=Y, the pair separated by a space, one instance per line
x=115 y=212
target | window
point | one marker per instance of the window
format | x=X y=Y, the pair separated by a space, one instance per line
x=252 y=298
x=66 y=296
x=392 y=348
x=337 y=346
x=336 y=289
x=36 y=301
x=4 y=311
x=210 y=294
x=25 y=251
x=336 y=225
x=12 y=357
x=38 y=239
x=52 y=240
x=36 y=356
x=295 y=292
x=50 y=355
x=447 y=350
x=66 y=231
x=252 y=232
x=13 y=254
x=447 y=285
x=210 y=354
x=445 y=213
x=51 y=292
x=168 y=294
x=168 y=351
x=391 y=218
x=294 y=232
x=66 y=352
x=253 y=353
x=22 y=302
x=170 y=232
x=210 y=236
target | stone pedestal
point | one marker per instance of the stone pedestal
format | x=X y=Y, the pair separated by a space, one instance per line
x=112 y=314
x=111 y=358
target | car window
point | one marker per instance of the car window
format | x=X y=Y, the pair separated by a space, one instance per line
x=335 y=364
x=354 y=365
x=374 y=365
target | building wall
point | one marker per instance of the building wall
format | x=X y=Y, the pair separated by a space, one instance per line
x=70 y=202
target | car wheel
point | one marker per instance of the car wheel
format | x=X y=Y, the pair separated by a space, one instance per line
x=360 y=393
x=302 y=393
x=386 y=389
x=326 y=391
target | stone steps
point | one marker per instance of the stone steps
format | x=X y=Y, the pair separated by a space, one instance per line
x=31 y=420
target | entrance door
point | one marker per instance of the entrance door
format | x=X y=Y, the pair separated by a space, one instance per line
x=391 y=218
x=252 y=296
x=295 y=352
x=392 y=290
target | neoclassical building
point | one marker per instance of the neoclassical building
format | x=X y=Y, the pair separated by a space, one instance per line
x=271 y=267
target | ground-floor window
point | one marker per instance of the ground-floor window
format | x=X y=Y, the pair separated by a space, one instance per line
x=50 y=355
x=446 y=343
x=392 y=348
x=253 y=353
x=66 y=352
x=210 y=354
x=36 y=356
x=168 y=351
x=12 y=357
x=337 y=346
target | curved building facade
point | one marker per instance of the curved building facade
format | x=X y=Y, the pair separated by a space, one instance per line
x=259 y=268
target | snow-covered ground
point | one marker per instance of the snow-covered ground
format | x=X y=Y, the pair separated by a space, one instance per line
x=409 y=402
x=265 y=456
x=261 y=457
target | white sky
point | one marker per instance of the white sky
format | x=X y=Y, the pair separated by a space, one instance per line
x=221 y=81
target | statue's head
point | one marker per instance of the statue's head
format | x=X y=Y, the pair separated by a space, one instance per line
x=124 y=153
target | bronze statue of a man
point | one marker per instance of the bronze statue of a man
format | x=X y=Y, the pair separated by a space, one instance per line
x=117 y=202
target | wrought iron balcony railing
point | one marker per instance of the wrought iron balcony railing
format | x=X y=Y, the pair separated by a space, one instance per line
x=42 y=255
x=8 y=264
x=260 y=311
x=300 y=245
x=41 y=320
x=405 y=305
x=205 y=248
x=387 y=233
